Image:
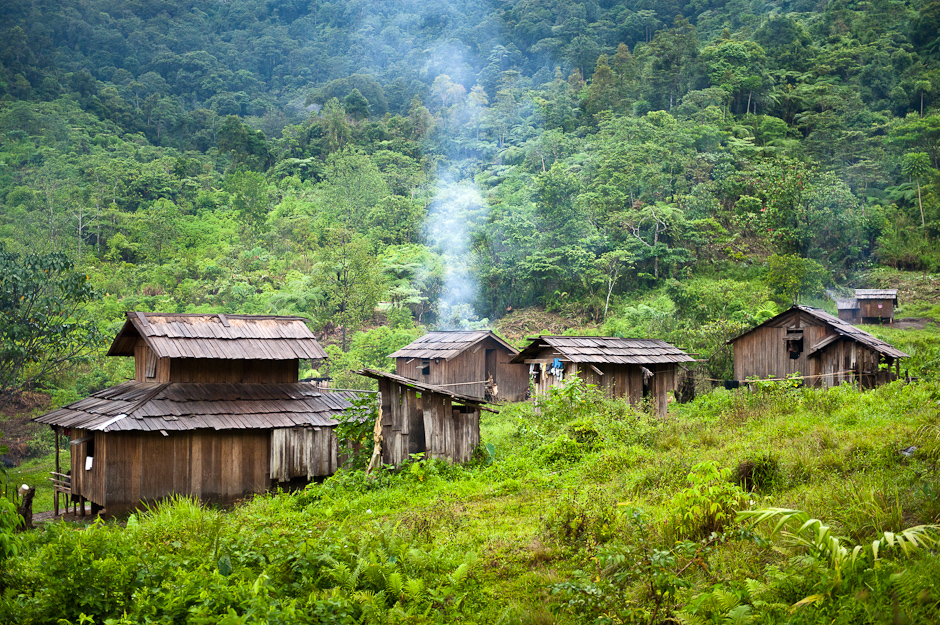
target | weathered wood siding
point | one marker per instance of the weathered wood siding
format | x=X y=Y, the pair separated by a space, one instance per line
x=303 y=452
x=467 y=372
x=615 y=380
x=869 y=309
x=512 y=379
x=89 y=484
x=234 y=371
x=147 y=367
x=848 y=361
x=763 y=352
x=849 y=314
x=131 y=468
x=426 y=422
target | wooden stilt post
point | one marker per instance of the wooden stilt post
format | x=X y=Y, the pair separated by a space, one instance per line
x=55 y=489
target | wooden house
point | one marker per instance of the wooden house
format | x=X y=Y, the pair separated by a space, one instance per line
x=637 y=369
x=215 y=411
x=422 y=418
x=848 y=310
x=475 y=363
x=824 y=349
x=876 y=305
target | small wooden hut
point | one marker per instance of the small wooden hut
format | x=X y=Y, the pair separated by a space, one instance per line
x=637 y=369
x=873 y=306
x=215 y=411
x=876 y=306
x=847 y=309
x=418 y=417
x=475 y=363
x=826 y=350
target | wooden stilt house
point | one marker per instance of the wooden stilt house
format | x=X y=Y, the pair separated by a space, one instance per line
x=475 y=363
x=824 y=349
x=876 y=306
x=638 y=369
x=215 y=411
x=418 y=417
x=871 y=306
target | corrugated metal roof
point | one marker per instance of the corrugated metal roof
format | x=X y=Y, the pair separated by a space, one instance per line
x=846 y=304
x=842 y=328
x=447 y=344
x=229 y=337
x=419 y=386
x=606 y=349
x=145 y=406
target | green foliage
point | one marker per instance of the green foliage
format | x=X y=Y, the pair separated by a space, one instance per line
x=42 y=325
x=791 y=277
x=708 y=505
x=354 y=433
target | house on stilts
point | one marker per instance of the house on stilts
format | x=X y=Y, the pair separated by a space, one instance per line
x=215 y=411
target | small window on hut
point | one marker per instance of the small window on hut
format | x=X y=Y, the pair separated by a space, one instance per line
x=425 y=367
x=151 y=369
x=794 y=341
x=89 y=454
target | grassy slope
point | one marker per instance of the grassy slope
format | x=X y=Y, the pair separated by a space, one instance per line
x=837 y=455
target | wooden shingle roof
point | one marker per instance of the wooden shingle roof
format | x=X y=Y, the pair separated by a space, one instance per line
x=606 y=349
x=448 y=344
x=842 y=329
x=891 y=294
x=229 y=337
x=150 y=407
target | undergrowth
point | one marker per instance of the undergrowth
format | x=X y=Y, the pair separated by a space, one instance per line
x=579 y=509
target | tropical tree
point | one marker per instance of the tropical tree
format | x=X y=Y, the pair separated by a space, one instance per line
x=42 y=325
x=916 y=165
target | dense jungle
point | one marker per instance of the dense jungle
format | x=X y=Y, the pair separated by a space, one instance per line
x=657 y=169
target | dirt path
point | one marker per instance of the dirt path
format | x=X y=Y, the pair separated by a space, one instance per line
x=913 y=323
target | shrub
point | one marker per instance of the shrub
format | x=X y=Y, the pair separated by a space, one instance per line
x=708 y=505
x=761 y=474
x=589 y=517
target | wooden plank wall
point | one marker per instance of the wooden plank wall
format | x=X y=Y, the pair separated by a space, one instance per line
x=466 y=373
x=303 y=452
x=428 y=423
x=88 y=484
x=214 y=466
x=234 y=371
x=141 y=353
x=469 y=368
x=763 y=352
x=868 y=309
x=210 y=370
x=512 y=379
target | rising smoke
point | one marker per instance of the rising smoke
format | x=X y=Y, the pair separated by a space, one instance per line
x=456 y=210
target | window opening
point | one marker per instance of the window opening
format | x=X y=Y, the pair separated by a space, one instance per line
x=794 y=341
x=425 y=367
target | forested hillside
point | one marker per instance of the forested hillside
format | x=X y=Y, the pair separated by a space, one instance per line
x=465 y=159
x=675 y=169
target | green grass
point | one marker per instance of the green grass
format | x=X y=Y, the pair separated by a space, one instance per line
x=35 y=473
x=575 y=491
